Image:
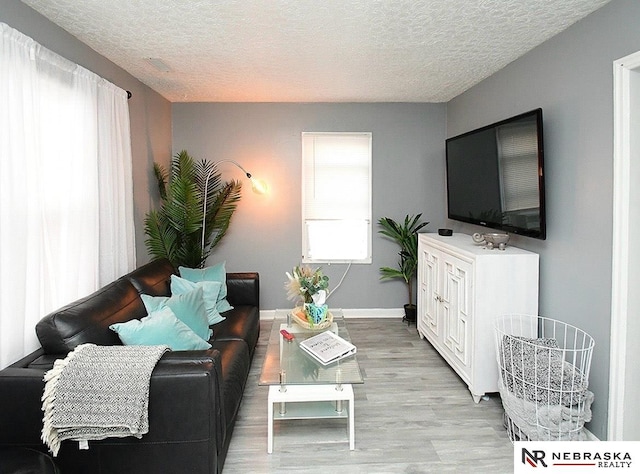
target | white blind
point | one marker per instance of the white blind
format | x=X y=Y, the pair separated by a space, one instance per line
x=336 y=196
x=518 y=152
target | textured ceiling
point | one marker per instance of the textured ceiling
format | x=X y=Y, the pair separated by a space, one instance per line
x=313 y=50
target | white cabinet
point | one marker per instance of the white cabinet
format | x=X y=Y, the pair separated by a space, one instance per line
x=462 y=288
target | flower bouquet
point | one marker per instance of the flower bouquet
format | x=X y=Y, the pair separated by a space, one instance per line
x=308 y=288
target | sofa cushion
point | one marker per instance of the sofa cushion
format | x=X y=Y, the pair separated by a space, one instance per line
x=161 y=327
x=87 y=320
x=44 y=362
x=243 y=323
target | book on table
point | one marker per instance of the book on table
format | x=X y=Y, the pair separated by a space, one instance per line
x=327 y=347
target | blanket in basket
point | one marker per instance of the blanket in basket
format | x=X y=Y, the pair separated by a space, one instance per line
x=98 y=392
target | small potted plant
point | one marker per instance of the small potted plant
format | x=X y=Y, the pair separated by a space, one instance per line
x=405 y=234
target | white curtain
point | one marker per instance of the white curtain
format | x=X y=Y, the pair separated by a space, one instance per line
x=66 y=220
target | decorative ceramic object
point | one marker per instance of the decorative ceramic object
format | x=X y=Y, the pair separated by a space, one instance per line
x=492 y=239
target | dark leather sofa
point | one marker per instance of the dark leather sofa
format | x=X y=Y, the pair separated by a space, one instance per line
x=194 y=395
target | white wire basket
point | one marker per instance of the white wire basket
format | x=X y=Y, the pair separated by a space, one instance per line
x=544 y=369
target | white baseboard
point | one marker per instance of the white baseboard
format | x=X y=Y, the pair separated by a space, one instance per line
x=351 y=313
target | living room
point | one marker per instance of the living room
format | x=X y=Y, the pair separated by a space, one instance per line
x=569 y=76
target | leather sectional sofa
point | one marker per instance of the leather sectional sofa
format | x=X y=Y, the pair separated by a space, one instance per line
x=194 y=395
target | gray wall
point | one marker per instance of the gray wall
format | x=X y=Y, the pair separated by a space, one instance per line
x=150 y=113
x=265 y=234
x=571 y=78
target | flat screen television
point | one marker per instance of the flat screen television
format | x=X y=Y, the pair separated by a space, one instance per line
x=495 y=176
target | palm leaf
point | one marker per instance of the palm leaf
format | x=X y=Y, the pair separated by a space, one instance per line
x=203 y=170
x=219 y=217
x=388 y=272
x=161 y=239
x=183 y=208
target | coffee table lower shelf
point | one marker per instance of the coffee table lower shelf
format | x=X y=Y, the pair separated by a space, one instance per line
x=301 y=402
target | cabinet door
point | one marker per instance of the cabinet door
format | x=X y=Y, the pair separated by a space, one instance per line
x=456 y=306
x=428 y=292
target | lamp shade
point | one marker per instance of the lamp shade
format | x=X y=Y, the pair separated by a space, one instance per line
x=259 y=186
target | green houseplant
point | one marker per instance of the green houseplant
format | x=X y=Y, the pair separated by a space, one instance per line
x=405 y=234
x=174 y=231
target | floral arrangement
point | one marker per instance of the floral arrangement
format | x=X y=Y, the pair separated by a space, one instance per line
x=305 y=283
x=310 y=287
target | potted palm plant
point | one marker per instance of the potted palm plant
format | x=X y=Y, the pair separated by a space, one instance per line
x=174 y=231
x=405 y=234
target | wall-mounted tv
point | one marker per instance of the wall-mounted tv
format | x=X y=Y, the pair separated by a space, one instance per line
x=495 y=176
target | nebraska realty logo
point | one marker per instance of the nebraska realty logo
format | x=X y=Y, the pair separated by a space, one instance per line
x=580 y=457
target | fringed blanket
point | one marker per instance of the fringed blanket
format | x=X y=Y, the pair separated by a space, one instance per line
x=98 y=392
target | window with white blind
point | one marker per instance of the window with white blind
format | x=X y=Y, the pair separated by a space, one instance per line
x=336 y=197
x=518 y=154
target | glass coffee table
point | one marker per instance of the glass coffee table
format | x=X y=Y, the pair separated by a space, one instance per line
x=300 y=387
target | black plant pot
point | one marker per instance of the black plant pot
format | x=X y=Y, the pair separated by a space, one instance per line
x=410 y=311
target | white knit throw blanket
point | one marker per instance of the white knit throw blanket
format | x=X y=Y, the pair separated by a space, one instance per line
x=98 y=392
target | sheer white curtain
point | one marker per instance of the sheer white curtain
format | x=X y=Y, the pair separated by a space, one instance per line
x=66 y=220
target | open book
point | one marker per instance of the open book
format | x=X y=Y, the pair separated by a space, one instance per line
x=327 y=347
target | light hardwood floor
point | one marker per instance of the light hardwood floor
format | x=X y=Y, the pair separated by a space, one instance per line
x=413 y=415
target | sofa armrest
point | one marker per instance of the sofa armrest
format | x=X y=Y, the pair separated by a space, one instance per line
x=184 y=397
x=185 y=416
x=243 y=289
x=21 y=407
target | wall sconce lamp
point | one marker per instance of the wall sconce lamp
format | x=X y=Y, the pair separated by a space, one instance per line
x=258 y=186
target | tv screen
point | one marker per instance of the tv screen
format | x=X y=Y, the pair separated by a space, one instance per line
x=495 y=176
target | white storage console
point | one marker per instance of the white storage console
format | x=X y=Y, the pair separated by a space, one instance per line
x=462 y=288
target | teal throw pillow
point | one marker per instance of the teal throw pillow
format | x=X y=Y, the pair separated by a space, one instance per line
x=223 y=305
x=215 y=272
x=210 y=292
x=161 y=327
x=188 y=308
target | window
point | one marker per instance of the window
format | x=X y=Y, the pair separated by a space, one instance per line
x=336 y=197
